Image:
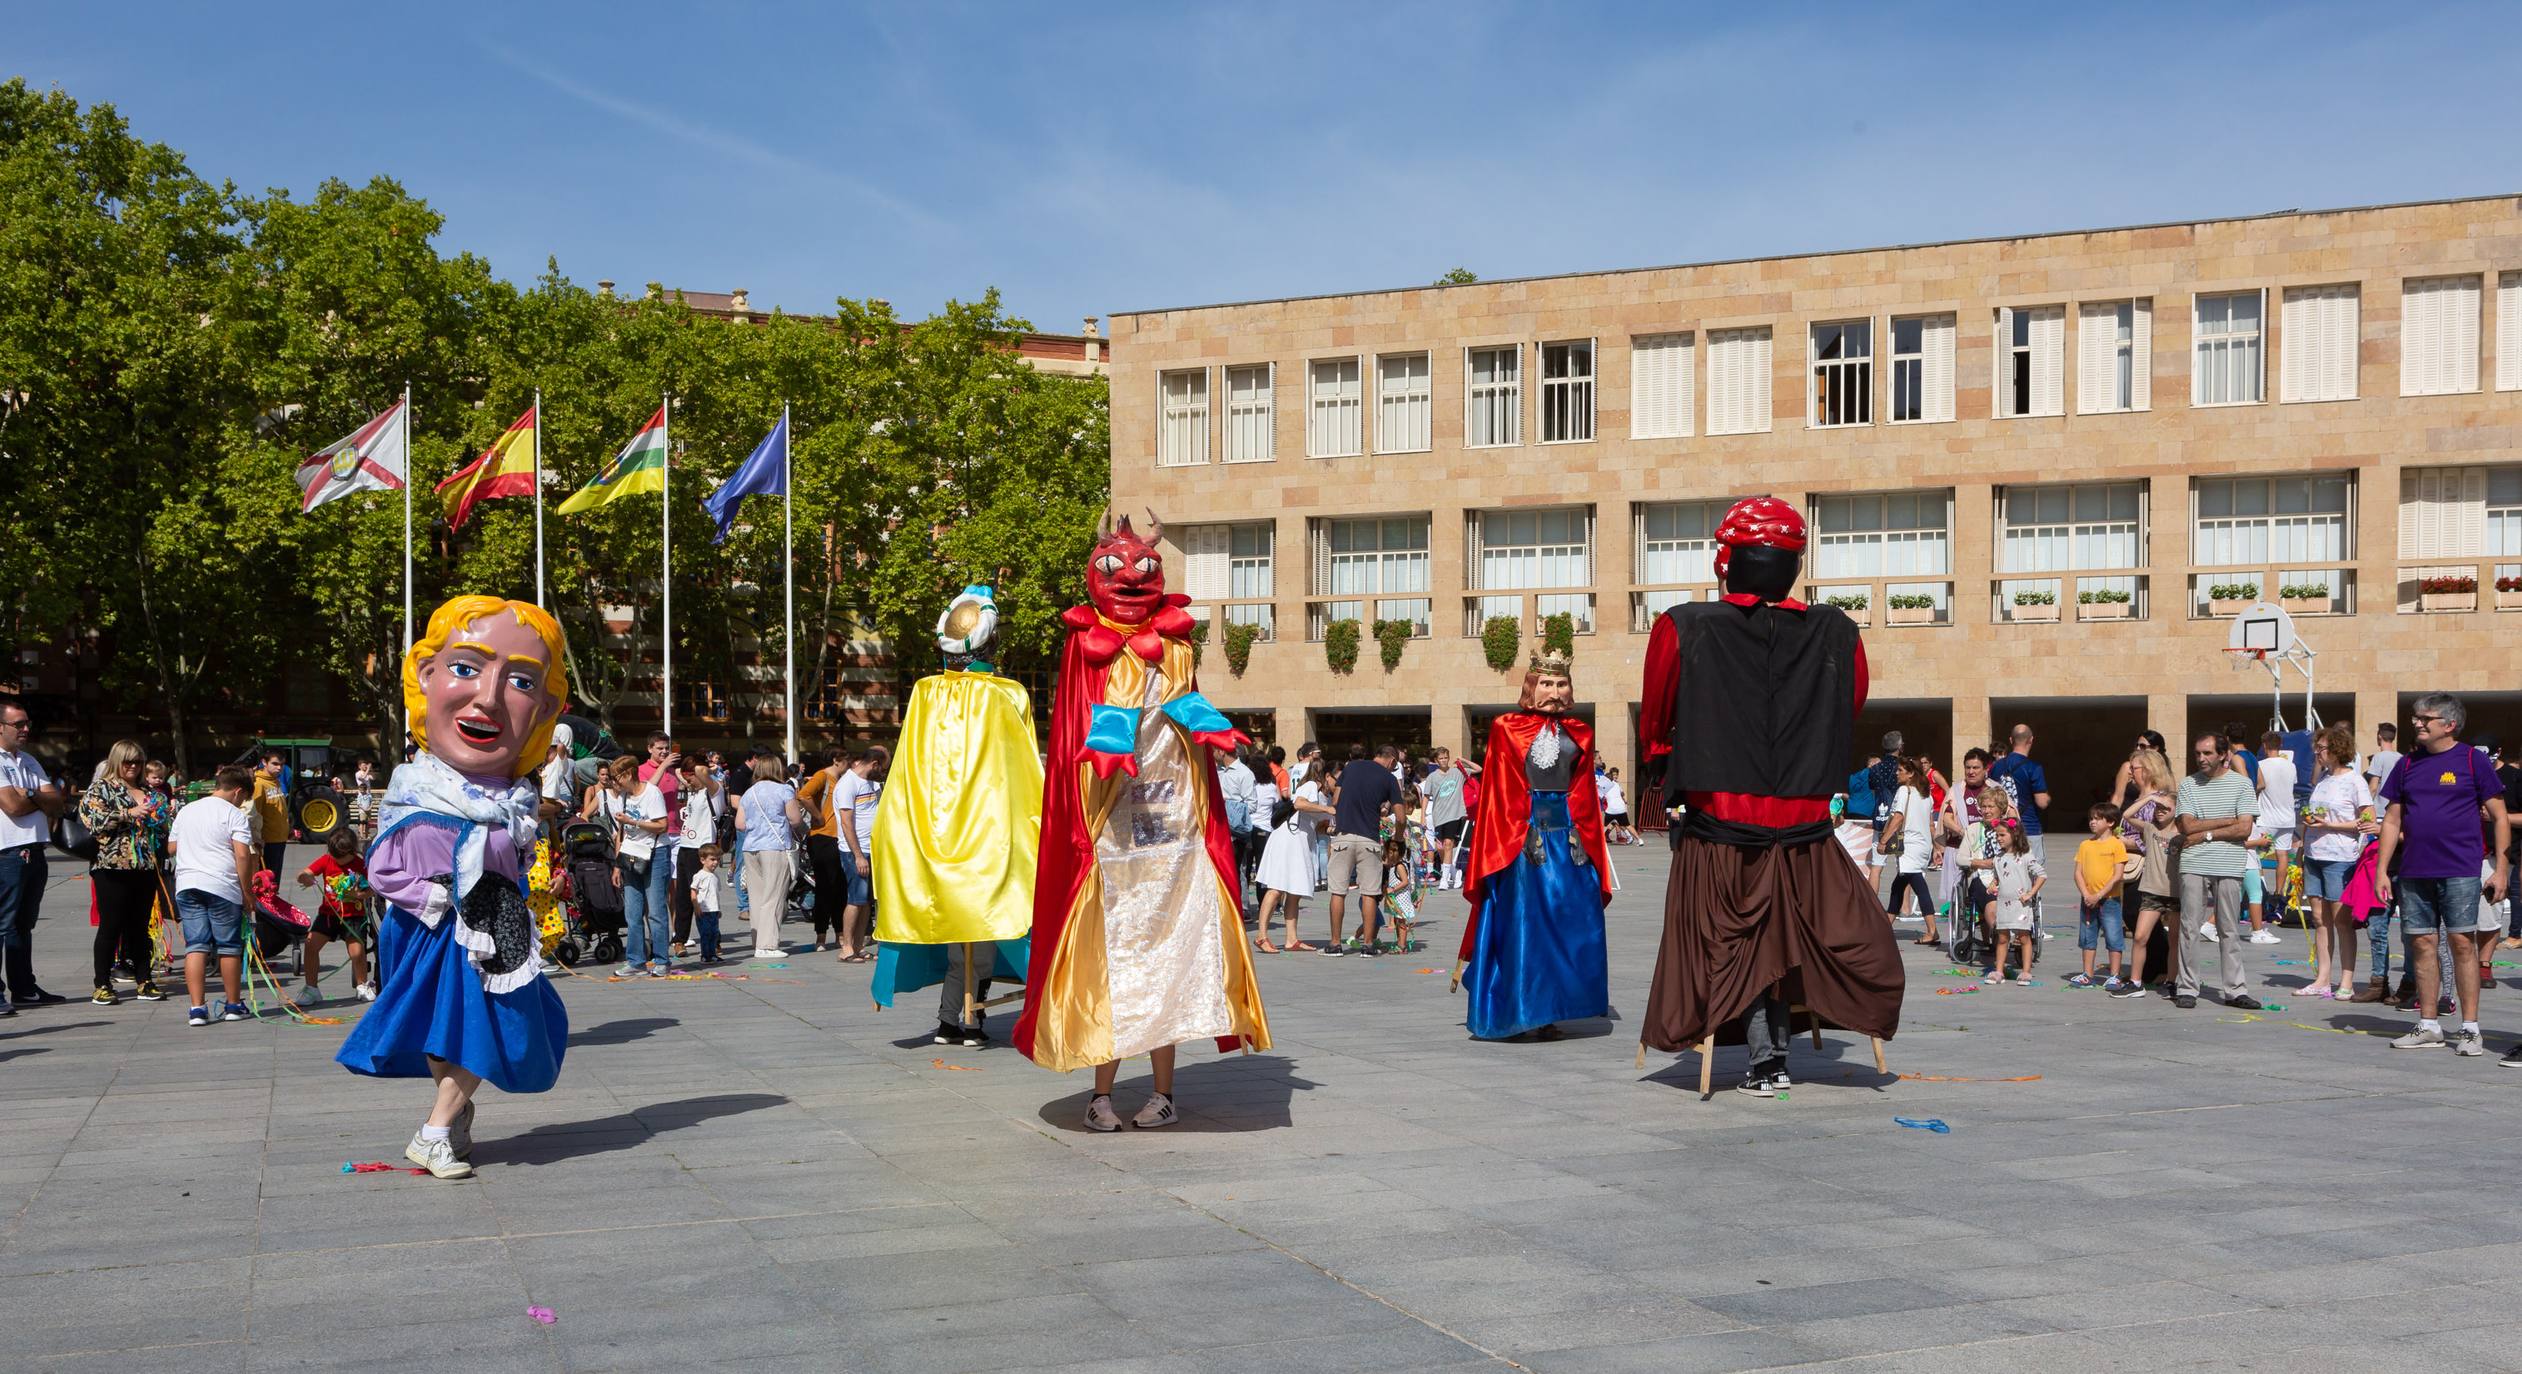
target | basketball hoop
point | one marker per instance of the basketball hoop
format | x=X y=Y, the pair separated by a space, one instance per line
x=2264 y=634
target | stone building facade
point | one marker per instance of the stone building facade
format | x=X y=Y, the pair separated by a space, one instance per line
x=2045 y=471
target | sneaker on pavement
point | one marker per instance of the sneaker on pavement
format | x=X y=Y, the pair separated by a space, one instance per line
x=2208 y=932
x=147 y=992
x=2242 y=1001
x=628 y=971
x=2422 y=1038
x=235 y=1011
x=2468 y=1044
x=1099 y=1114
x=1331 y=951
x=947 y=1034
x=105 y=997
x=39 y=998
x=2130 y=991
x=366 y=992
x=1758 y=1085
x=2263 y=937
x=198 y=1016
x=975 y=1038
x=438 y=1157
x=2512 y=1058
x=2184 y=1001
x=1157 y=1114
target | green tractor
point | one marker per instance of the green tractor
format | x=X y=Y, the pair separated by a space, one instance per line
x=316 y=808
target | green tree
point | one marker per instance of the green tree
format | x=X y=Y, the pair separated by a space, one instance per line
x=1457 y=276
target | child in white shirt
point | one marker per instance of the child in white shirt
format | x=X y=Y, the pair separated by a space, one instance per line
x=705 y=903
x=2018 y=879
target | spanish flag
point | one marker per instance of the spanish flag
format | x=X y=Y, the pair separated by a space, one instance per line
x=639 y=467
x=506 y=470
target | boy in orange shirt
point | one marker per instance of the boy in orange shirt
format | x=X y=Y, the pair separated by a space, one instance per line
x=2097 y=883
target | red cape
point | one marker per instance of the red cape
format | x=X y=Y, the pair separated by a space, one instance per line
x=1497 y=829
x=1068 y=851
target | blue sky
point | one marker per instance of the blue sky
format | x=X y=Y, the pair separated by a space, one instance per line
x=1091 y=158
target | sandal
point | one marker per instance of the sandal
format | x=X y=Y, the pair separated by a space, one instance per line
x=861 y=957
x=1926 y=940
x=1300 y=947
x=1265 y=947
x=1994 y=980
x=2079 y=980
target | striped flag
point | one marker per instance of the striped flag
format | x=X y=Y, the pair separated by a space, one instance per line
x=507 y=469
x=639 y=467
x=369 y=458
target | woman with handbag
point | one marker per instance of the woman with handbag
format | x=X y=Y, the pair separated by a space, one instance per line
x=636 y=813
x=2147 y=827
x=128 y=824
x=1909 y=841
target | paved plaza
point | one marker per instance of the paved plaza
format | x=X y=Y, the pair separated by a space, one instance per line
x=773 y=1173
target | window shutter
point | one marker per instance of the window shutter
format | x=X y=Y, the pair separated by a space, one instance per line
x=2096 y=347
x=2509 y=332
x=2411 y=485
x=1589 y=527
x=2300 y=340
x=1936 y=342
x=1721 y=386
x=2342 y=342
x=1318 y=534
x=1637 y=544
x=1998 y=355
x=1762 y=367
x=1205 y=549
x=1659 y=386
x=2438 y=336
x=1474 y=552
x=2049 y=358
x=2141 y=355
x=2468 y=514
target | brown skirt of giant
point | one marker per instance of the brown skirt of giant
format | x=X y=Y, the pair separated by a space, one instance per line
x=1738 y=920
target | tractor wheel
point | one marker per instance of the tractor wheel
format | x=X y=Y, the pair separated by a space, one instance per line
x=320 y=813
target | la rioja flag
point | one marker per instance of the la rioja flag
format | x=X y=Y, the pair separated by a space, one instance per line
x=369 y=458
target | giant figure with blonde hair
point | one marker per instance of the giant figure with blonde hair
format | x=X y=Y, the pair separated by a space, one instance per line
x=464 y=1001
x=1138 y=938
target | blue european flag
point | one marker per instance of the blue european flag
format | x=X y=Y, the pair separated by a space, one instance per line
x=764 y=473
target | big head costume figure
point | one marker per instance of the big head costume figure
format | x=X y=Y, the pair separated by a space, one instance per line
x=466 y=1002
x=1137 y=917
x=1538 y=877
x=1751 y=703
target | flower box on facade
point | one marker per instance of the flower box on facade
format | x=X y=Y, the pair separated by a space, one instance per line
x=2309 y=605
x=2230 y=605
x=2433 y=602
x=2509 y=601
x=2102 y=610
x=1909 y=615
x=2047 y=614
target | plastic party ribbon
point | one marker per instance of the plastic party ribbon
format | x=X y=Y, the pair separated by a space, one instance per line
x=1923 y=1124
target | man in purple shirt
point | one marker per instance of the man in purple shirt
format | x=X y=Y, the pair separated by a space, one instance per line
x=2444 y=799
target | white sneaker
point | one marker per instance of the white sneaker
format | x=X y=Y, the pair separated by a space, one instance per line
x=2468 y=1043
x=438 y=1157
x=366 y=992
x=1157 y=1113
x=2422 y=1038
x=1100 y=1116
x=2208 y=932
x=2263 y=937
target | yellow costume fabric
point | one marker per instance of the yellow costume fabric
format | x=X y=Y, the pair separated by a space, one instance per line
x=959 y=827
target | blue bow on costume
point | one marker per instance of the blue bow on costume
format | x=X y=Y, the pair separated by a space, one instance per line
x=1112 y=731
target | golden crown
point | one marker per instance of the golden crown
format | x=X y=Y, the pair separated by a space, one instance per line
x=1551 y=661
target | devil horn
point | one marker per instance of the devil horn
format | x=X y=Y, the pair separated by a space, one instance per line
x=1103 y=525
x=1155 y=527
x=1122 y=527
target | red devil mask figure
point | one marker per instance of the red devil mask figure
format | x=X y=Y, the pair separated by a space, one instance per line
x=1770 y=533
x=1125 y=575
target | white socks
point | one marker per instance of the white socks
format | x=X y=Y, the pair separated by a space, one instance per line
x=433 y=1132
x=2431 y=1024
x=2469 y=1028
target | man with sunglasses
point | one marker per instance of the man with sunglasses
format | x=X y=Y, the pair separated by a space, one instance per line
x=2444 y=798
x=29 y=800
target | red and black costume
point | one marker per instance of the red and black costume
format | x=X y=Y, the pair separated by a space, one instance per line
x=1751 y=701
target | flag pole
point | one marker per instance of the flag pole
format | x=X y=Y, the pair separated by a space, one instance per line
x=411 y=473
x=665 y=545
x=788 y=561
x=538 y=496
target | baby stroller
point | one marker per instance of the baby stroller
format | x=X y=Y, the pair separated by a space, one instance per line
x=589 y=896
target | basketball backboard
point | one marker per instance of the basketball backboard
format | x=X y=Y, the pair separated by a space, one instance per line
x=2264 y=629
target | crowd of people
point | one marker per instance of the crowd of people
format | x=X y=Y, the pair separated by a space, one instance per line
x=2215 y=857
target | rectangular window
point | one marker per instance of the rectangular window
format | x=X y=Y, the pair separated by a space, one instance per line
x=2031 y=350
x=1675 y=542
x=2460 y=512
x=1888 y=534
x=2224 y=350
x=1843 y=374
x=1922 y=369
x=1567 y=392
x=1332 y=410
x=1251 y=415
x=1251 y=574
x=1660 y=399
x=2069 y=528
x=2246 y=522
x=2438 y=336
x=2114 y=342
x=1530 y=549
x=1738 y=381
x=1493 y=397
x=1378 y=566
x=2317 y=357
x=2509 y=332
x=1404 y=406
x=1182 y=427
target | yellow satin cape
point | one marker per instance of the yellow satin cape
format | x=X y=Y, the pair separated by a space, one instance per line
x=959 y=827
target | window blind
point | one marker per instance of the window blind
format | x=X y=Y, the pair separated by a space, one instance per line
x=1660 y=402
x=2438 y=336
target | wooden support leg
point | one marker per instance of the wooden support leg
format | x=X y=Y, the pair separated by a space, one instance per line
x=968 y=955
x=1816 y=1028
x=1707 y=1068
x=1878 y=1055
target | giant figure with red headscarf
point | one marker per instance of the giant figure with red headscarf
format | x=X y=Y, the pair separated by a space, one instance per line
x=1137 y=911
x=1751 y=701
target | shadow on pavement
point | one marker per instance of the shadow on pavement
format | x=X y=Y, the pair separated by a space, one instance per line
x=622 y=1131
x=1220 y=1096
x=621 y=1032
